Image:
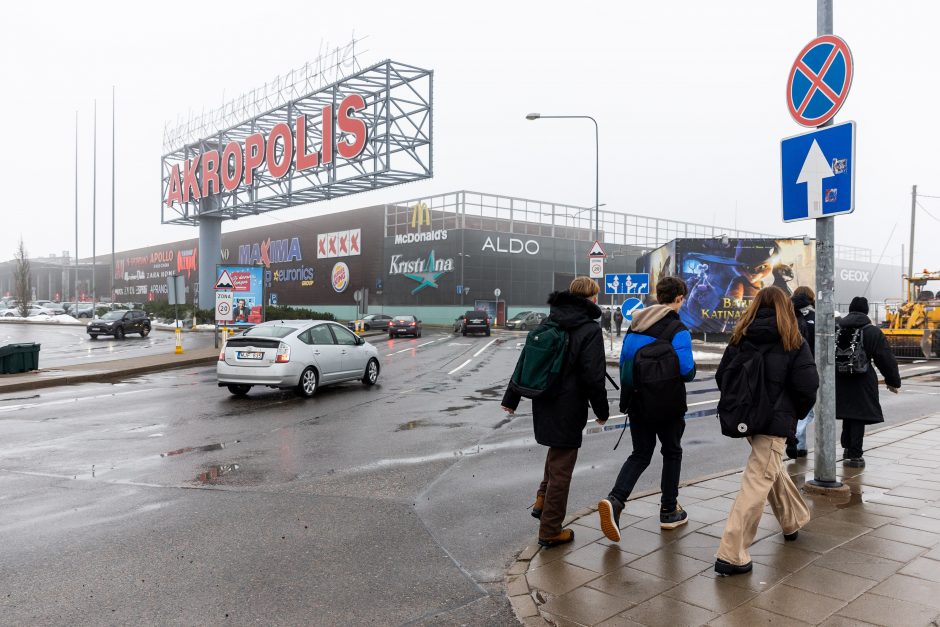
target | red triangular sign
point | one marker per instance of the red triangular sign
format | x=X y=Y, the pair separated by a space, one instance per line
x=596 y=250
x=224 y=282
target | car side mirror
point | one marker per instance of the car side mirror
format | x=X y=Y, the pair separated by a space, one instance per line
x=360 y=341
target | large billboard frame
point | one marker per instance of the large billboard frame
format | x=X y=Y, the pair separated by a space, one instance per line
x=397 y=111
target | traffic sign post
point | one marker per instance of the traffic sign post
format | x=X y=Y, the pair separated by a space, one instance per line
x=818 y=173
x=636 y=283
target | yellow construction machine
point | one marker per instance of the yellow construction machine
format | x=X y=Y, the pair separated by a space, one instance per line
x=913 y=327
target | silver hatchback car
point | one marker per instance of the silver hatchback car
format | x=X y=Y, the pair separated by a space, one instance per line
x=298 y=354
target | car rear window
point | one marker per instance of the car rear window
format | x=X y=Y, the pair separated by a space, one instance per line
x=404 y=318
x=270 y=331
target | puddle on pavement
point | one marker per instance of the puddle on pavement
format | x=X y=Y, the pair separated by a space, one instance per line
x=417 y=424
x=199 y=449
x=213 y=473
x=458 y=408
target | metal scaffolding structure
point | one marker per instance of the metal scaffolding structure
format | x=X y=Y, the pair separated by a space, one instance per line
x=398 y=117
x=491 y=212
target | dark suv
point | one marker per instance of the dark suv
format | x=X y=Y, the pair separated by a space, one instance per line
x=119 y=323
x=476 y=322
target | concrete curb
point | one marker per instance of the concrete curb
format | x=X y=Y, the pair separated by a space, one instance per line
x=526 y=600
x=107 y=375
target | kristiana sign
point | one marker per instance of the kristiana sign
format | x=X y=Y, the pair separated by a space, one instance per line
x=273 y=155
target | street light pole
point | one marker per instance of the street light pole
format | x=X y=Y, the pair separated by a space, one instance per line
x=597 y=161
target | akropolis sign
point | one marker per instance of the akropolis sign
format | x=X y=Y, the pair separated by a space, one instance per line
x=284 y=149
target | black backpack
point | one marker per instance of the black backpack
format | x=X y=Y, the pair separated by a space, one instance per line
x=852 y=358
x=744 y=408
x=658 y=389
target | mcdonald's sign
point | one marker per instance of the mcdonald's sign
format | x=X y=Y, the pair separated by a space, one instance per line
x=420 y=215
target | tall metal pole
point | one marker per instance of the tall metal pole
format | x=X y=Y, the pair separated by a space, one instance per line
x=910 y=262
x=112 y=193
x=76 y=215
x=825 y=458
x=94 y=206
x=597 y=182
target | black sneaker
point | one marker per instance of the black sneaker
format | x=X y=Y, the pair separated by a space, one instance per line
x=801 y=452
x=609 y=512
x=791 y=537
x=792 y=452
x=854 y=462
x=727 y=568
x=673 y=519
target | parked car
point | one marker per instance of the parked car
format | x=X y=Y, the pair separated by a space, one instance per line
x=404 y=325
x=525 y=320
x=119 y=323
x=56 y=308
x=14 y=312
x=298 y=354
x=460 y=323
x=80 y=310
x=369 y=322
x=477 y=321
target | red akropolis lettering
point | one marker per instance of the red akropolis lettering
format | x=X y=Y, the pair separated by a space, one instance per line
x=231 y=172
x=174 y=193
x=190 y=181
x=305 y=160
x=283 y=148
x=354 y=126
x=210 y=172
x=326 y=151
x=254 y=155
x=276 y=168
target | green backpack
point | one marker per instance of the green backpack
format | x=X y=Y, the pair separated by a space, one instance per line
x=542 y=360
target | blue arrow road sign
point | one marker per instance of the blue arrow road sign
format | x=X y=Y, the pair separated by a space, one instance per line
x=627 y=283
x=818 y=173
x=629 y=307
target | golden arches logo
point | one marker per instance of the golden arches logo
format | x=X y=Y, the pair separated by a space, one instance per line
x=420 y=214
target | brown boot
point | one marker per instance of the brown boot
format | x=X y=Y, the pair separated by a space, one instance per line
x=538 y=505
x=566 y=536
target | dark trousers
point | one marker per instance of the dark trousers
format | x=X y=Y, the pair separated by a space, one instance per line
x=644 y=434
x=619 y=324
x=559 y=464
x=853 y=433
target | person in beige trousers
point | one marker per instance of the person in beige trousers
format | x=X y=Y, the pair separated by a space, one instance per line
x=768 y=380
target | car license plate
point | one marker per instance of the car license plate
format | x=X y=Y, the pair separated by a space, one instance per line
x=249 y=355
x=476 y=322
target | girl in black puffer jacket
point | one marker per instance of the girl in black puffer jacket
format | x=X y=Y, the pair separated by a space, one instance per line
x=790 y=383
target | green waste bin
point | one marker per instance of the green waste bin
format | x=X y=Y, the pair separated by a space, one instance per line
x=19 y=358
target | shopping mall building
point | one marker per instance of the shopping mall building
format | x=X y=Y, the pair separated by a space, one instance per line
x=433 y=257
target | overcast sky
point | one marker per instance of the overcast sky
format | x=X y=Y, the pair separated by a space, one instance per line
x=689 y=95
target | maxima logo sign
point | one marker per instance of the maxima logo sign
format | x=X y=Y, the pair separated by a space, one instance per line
x=511 y=245
x=339 y=244
x=425 y=272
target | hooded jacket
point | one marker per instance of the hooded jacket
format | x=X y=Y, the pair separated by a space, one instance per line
x=560 y=417
x=806 y=318
x=648 y=324
x=857 y=394
x=790 y=377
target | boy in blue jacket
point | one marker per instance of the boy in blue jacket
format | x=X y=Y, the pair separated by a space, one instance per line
x=653 y=380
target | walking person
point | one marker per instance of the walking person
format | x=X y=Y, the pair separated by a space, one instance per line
x=768 y=379
x=858 y=343
x=560 y=414
x=804 y=304
x=618 y=319
x=606 y=316
x=655 y=362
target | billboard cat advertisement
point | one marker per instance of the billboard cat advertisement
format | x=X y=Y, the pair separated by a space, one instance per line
x=724 y=276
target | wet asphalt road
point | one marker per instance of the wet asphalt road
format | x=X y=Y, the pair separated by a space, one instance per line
x=70 y=345
x=163 y=499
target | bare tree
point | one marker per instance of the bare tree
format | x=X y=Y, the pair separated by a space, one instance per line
x=22 y=288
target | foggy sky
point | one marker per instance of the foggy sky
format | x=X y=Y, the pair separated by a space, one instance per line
x=689 y=96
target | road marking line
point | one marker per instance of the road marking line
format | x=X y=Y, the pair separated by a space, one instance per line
x=490 y=343
x=71 y=400
x=918 y=368
x=460 y=366
x=426 y=343
x=714 y=400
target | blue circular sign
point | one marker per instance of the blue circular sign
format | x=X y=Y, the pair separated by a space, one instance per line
x=629 y=307
x=819 y=80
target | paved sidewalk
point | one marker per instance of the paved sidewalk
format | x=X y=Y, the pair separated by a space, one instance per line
x=105 y=370
x=870 y=558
